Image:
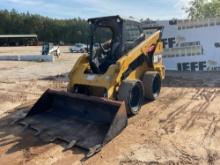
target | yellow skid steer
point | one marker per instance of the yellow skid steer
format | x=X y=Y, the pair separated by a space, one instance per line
x=123 y=66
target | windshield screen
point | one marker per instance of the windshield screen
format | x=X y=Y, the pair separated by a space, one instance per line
x=132 y=32
x=101 y=47
x=102 y=38
x=105 y=44
x=102 y=42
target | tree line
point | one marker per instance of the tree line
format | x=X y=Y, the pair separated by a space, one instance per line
x=48 y=29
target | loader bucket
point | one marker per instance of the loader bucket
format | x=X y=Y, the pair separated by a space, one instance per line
x=83 y=121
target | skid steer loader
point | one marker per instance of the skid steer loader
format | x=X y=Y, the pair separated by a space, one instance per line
x=105 y=86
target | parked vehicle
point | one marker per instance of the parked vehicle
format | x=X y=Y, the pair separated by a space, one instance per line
x=78 y=48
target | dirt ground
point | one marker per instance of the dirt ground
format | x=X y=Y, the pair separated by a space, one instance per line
x=181 y=127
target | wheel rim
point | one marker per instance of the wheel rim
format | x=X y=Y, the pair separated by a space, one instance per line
x=156 y=86
x=135 y=98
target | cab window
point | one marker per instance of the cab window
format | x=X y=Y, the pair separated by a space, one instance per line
x=132 y=32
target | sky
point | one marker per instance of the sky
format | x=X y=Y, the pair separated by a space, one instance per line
x=154 y=9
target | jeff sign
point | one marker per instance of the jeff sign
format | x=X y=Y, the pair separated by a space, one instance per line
x=192 y=66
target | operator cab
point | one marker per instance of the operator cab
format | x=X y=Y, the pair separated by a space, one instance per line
x=115 y=36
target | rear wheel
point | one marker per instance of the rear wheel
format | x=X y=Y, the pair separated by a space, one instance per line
x=131 y=92
x=152 y=85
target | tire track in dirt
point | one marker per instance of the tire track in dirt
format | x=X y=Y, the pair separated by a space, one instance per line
x=210 y=131
x=154 y=109
x=204 y=93
x=185 y=157
x=195 y=114
x=168 y=124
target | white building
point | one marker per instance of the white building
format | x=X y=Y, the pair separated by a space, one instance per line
x=190 y=45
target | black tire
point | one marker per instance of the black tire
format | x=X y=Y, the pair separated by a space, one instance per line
x=152 y=85
x=132 y=93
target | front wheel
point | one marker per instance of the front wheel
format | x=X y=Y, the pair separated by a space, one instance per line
x=131 y=92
